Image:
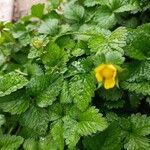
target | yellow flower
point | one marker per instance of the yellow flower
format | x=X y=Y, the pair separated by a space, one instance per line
x=106 y=73
x=37 y=43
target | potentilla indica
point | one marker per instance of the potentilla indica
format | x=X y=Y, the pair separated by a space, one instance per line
x=106 y=74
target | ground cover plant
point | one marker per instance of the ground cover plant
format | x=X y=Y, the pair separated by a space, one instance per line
x=76 y=77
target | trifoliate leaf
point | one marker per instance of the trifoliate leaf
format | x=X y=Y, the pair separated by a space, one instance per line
x=11 y=82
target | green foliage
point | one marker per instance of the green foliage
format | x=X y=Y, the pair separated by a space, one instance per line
x=89 y=121
x=81 y=88
x=128 y=133
x=37 y=10
x=11 y=82
x=115 y=41
x=50 y=97
x=10 y=142
x=73 y=12
x=15 y=103
x=36 y=119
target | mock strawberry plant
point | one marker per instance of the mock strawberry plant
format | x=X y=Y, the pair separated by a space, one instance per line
x=76 y=77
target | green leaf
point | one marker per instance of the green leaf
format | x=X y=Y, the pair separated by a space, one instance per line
x=34 y=69
x=65 y=96
x=98 y=43
x=74 y=12
x=114 y=57
x=105 y=17
x=11 y=82
x=115 y=41
x=15 y=103
x=90 y=122
x=48 y=96
x=81 y=89
x=37 y=84
x=70 y=132
x=86 y=123
x=141 y=124
x=57 y=134
x=137 y=143
x=138 y=48
x=8 y=142
x=55 y=111
x=139 y=88
x=55 y=3
x=36 y=119
x=54 y=57
x=37 y=10
x=119 y=6
x=49 y=26
x=140 y=72
x=110 y=139
x=127 y=7
x=30 y=144
x=47 y=143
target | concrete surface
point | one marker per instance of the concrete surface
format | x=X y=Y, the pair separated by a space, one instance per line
x=6 y=10
x=13 y=9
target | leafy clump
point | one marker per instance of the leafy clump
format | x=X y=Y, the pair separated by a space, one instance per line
x=52 y=97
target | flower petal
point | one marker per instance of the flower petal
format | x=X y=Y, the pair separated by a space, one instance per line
x=99 y=77
x=100 y=68
x=109 y=83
